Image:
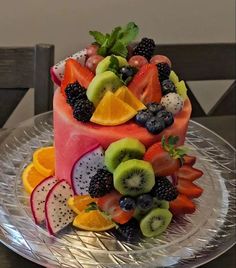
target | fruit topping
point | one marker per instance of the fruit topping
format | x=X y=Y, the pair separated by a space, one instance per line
x=154 y=107
x=172 y=102
x=83 y=110
x=163 y=71
x=160 y=59
x=93 y=61
x=142 y=116
x=145 y=48
x=189 y=189
x=181 y=89
x=164 y=189
x=186 y=172
x=160 y=203
x=127 y=73
x=112 y=111
x=85 y=168
x=173 y=77
x=182 y=205
x=58 y=214
x=101 y=183
x=74 y=93
x=145 y=202
x=127 y=203
x=92 y=50
x=79 y=203
x=167 y=86
x=130 y=231
x=155 y=222
x=134 y=177
x=155 y=125
x=105 y=64
x=137 y=61
x=123 y=150
x=38 y=197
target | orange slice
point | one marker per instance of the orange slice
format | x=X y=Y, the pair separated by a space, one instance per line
x=44 y=161
x=112 y=111
x=128 y=97
x=93 y=220
x=31 y=178
x=78 y=203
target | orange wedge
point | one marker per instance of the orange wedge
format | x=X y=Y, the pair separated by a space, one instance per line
x=44 y=160
x=78 y=203
x=128 y=97
x=31 y=178
x=112 y=111
x=93 y=220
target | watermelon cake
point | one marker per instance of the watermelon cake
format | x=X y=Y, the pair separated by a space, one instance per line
x=121 y=116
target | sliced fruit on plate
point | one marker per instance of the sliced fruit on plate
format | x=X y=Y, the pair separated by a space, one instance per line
x=112 y=111
x=44 y=161
x=189 y=160
x=181 y=89
x=79 y=203
x=109 y=203
x=182 y=205
x=173 y=77
x=74 y=71
x=31 y=178
x=189 y=173
x=128 y=97
x=189 y=189
x=104 y=64
x=145 y=84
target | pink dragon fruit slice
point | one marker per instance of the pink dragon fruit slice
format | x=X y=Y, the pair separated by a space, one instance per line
x=85 y=168
x=58 y=214
x=38 y=197
x=57 y=71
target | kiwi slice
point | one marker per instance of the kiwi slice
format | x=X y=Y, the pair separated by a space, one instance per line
x=123 y=150
x=103 y=65
x=100 y=84
x=134 y=177
x=155 y=222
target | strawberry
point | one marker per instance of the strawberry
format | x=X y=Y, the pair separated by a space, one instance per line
x=189 y=189
x=182 y=205
x=145 y=85
x=109 y=203
x=189 y=173
x=189 y=160
x=164 y=156
x=74 y=71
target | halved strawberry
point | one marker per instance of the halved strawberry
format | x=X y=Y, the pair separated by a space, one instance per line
x=189 y=189
x=74 y=71
x=189 y=173
x=145 y=85
x=182 y=205
x=189 y=160
x=110 y=203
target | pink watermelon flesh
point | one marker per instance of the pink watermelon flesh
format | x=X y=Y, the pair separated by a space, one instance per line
x=58 y=214
x=38 y=197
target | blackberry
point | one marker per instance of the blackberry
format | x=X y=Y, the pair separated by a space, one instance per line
x=155 y=125
x=164 y=189
x=145 y=48
x=163 y=70
x=74 y=93
x=167 y=86
x=101 y=183
x=130 y=231
x=83 y=110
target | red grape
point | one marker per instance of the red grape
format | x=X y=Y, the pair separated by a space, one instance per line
x=93 y=61
x=137 y=61
x=91 y=50
x=160 y=58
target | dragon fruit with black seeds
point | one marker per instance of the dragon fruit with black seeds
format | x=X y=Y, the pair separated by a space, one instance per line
x=172 y=102
x=38 y=197
x=85 y=168
x=57 y=212
x=57 y=71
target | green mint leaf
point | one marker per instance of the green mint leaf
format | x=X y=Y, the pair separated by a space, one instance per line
x=113 y=37
x=91 y=206
x=128 y=33
x=103 y=48
x=119 y=49
x=114 y=65
x=98 y=36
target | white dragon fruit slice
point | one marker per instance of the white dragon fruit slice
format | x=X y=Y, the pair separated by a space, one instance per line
x=85 y=168
x=172 y=102
x=57 y=71
x=58 y=214
x=38 y=197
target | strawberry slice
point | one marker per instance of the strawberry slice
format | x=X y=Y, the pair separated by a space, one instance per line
x=182 y=205
x=145 y=85
x=189 y=173
x=189 y=189
x=189 y=160
x=74 y=71
x=110 y=203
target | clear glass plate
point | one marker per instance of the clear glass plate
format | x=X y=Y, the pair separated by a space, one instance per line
x=189 y=241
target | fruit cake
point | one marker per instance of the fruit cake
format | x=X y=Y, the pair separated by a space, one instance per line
x=120 y=120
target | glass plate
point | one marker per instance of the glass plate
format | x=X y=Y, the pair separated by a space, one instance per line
x=188 y=242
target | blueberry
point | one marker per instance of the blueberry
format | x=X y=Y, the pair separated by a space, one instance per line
x=127 y=203
x=142 y=116
x=155 y=125
x=145 y=202
x=168 y=119
x=127 y=72
x=154 y=107
x=162 y=114
x=167 y=86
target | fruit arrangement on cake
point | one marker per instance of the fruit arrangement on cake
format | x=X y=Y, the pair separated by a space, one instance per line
x=118 y=161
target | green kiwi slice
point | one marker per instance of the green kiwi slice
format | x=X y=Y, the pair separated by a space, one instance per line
x=123 y=150
x=160 y=203
x=155 y=222
x=100 y=84
x=103 y=65
x=134 y=177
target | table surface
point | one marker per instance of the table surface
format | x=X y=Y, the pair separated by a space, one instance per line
x=225 y=126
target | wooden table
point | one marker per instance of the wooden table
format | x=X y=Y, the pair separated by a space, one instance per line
x=225 y=126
